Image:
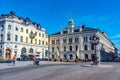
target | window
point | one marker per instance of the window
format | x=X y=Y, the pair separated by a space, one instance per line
x=8 y=37
x=92 y=47
x=31 y=41
x=85 y=39
x=46 y=53
x=52 y=49
x=65 y=56
x=58 y=41
x=39 y=34
x=70 y=40
x=76 y=40
x=16 y=29
x=53 y=56
x=64 y=40
x=1 y=37
x=76 y=47
x=26 y=39
x=39 y=42
x=85 y=47
x=21 y=29
x=16 y=37
x=43 y=43
x=58 y=48
x=15 y=46
x=35 y=33
x=26 y=30
x=53 y=41
x=70 y=48
x=9 y=27
x=21 y=38
x=35 y=41
x=42 y=35
x=64 y=48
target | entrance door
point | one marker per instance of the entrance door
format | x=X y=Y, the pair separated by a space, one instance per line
x=8 y=54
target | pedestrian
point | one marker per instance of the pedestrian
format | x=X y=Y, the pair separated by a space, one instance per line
x=34 y=59
x=14 y=59
x=37 y=61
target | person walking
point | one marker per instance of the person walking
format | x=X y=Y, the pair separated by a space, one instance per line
x=14 y=59
x=34 y=59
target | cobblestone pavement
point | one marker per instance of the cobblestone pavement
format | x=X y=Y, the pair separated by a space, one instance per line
x=63 y=71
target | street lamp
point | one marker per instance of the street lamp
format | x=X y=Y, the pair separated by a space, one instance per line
x=95 y=41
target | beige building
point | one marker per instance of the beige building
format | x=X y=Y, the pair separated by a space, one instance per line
x=21 y=36
x=74 y=42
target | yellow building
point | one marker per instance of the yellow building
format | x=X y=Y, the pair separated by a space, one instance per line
x=21 y=36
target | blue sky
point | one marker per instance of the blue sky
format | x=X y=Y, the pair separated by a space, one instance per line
x=54 y=14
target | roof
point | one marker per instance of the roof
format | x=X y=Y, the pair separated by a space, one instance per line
x=25 y=21
x=83 y=29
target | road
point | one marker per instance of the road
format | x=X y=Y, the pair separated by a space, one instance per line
x=66 y=71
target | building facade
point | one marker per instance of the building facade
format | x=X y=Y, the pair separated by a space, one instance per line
x=73 y=43
x=20 y=36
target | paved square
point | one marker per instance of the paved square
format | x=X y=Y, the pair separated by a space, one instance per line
x=62 y=71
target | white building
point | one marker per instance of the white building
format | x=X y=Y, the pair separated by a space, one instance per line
x=74 y=42
x=20 y=36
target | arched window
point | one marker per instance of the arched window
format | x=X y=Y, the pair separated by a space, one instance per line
x=8 y=54
x=31 y=50
x=23 y=50
x=71 y=57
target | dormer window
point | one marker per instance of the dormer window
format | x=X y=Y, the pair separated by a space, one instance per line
x=27 y=22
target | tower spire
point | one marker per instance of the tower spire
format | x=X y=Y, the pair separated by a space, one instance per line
x=71 y=22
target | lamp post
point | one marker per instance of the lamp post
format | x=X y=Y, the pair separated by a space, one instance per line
x=95 y=41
